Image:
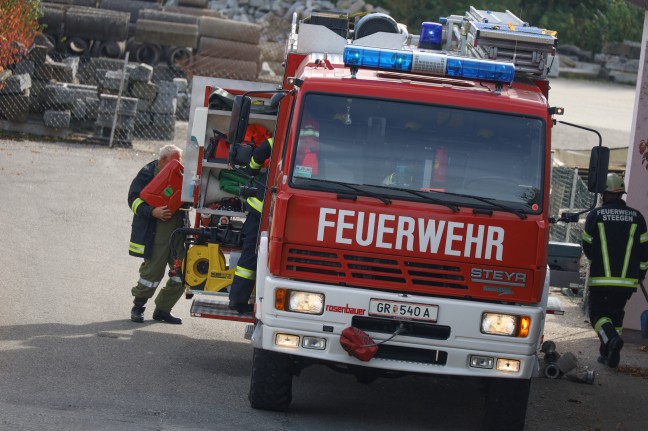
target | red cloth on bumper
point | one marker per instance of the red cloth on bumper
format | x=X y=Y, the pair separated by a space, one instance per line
x=358 y=344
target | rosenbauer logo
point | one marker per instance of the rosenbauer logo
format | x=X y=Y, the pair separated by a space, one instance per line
x=346 y=309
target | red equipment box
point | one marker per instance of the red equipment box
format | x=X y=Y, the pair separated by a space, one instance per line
x=165 y=188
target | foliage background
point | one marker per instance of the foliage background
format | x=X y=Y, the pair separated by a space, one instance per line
x=588 y=24
x=18 y=26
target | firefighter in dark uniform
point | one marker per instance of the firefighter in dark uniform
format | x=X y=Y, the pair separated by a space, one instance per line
x=150 y=239
x=245 y=274
x=615 y=242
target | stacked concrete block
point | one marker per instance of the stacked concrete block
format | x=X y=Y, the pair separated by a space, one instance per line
x=62 y=71
x=39 y=74
x=163 y=111
x=620 y=62
x=86 y=103
x=14 y=98
x=113 y=81
x=119 y=112
x=57 y=119
x=94 y=69
x=184 y=102
x=57 y=103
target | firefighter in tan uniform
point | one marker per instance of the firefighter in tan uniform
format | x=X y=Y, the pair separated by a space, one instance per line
x=151 y=232
x=615 y=242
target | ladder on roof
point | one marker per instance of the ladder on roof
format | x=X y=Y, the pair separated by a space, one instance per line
x=503 y=36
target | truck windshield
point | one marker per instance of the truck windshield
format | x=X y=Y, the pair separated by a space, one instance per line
x=389 y=147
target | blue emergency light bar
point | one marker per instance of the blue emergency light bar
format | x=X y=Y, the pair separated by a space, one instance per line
x=429 y=63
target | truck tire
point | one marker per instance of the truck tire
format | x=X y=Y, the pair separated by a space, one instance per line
x=271 y=382
x=149 y=53
x=176 y=55
x=506 y=404
x=78 y=45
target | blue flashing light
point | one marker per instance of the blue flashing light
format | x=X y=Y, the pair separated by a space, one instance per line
x=378 y=58
x=429 y=63
x=431 y=35
x=480 y=69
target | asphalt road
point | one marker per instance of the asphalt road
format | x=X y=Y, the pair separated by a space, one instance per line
x=70 y=359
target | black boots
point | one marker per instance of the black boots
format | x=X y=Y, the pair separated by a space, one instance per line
x=614 y=351
x=137 y=312
x=165 y=316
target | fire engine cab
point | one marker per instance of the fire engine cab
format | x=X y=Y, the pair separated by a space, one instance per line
x=411 y=236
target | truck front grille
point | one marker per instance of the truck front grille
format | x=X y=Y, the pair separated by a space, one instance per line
x=366 y=270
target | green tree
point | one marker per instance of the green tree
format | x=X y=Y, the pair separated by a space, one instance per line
x=588 y=24
x=18 y=27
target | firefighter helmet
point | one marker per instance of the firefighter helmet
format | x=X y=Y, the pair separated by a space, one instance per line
x=614 y=184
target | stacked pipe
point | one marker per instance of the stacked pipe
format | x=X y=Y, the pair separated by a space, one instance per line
x=227 y=49
x=557 y=365
x=161 y=35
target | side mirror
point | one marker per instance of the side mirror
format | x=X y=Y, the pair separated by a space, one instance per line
x=598 y=169
x=239 y=120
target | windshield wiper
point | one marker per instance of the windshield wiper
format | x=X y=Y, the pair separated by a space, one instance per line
x=453 y=207
x=489 y=201
x=364 y=192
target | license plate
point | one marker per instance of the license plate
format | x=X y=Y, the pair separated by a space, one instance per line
x=406 y=310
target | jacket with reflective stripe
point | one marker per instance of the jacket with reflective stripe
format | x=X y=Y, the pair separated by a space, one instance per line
x=616 y=243
x=259 y=157
x=144 y=224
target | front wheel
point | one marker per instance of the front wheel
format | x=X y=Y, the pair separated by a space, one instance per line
x=271 y=382
x=506 y=404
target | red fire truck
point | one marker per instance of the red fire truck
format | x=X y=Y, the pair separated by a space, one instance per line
x=411 y=237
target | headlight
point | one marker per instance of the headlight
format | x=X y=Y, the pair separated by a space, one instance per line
x=299 y=301
x=509 y=325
